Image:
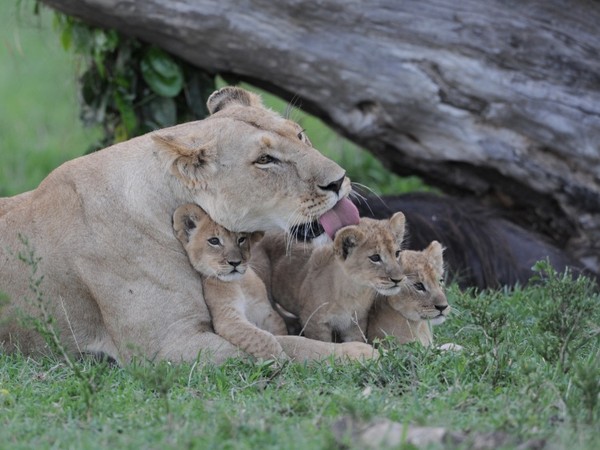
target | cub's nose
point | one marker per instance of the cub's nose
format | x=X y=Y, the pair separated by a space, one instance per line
x=234 y=263
x=334 y=186
x=396 y=280
x=441 y=308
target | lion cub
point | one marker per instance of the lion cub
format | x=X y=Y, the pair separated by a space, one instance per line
x=236 y=297
x=332 y=287
x=421 y=302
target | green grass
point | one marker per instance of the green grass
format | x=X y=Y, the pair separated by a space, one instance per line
x=508 y=379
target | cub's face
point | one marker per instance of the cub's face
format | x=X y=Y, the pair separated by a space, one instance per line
x=249 y=168
x=212 y=250
x=371 y=253
x=423 y=297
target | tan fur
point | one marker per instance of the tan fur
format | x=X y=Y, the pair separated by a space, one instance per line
x=114 y=277
x=235 y=296
x=331 y=287
x=407 y=316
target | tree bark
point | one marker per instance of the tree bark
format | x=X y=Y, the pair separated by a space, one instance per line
x=493 y=99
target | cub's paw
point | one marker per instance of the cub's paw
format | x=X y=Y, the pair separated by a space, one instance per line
x=450 y=347
x=355 y=350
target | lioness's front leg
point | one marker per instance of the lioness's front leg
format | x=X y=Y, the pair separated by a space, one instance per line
x=207 y=346
x=303 y=349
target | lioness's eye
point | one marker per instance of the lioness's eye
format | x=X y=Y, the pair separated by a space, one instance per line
x=266 y=159
x=241 y=240
x=214 y=241
x=397 y=253
x=375 y=258
x=420 y=287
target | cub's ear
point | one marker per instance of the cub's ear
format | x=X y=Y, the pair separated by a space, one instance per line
x=187 y=158
x=231 y=95
x=256 y=237
x=186 y=218
x=398 y=226
x=346 y=240
x=435 y=254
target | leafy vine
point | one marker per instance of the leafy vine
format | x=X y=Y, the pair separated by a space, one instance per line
x=130 y=87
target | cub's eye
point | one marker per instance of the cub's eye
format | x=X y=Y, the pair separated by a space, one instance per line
x=397 y=253
x=242 y=240
x=214 y=241
x=375 y=258
x=420 y=287
x=263 y=160
x=302 y=136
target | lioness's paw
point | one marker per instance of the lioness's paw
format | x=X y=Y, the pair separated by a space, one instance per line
x=355 y=350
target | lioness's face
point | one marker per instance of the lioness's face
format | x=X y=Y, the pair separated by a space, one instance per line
x=280 y=181
x=250 y=169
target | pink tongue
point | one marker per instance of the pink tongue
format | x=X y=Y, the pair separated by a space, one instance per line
x=344 y=213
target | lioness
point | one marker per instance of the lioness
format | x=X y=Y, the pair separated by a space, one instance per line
x=331 y=288
x=407 y=316
x=115 y=278
x=236 y=297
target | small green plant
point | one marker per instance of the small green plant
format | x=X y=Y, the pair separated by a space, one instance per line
x=4 y=300
x=494 y=353
x=45 y=324
x=160 y=377
x=586 y=380
x=565 y=306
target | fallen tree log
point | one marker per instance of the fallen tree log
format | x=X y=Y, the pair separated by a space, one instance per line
x=486 y=99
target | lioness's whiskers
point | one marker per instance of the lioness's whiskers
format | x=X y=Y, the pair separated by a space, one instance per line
x=366 y=188
x=294 y=220
x=356 y=194
x=291 y=106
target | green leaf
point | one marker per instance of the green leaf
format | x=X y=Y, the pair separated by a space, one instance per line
x=82 y=37
x=160 y=112
x=127 y=113
x=92 y=87
x=199 y=86
x=162 y=74
x=66 y=36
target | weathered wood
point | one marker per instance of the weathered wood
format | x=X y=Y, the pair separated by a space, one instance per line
x=488 y=98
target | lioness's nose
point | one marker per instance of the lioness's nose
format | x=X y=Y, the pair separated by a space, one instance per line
x=440 y=308
x=234 y=263
x=334 y=186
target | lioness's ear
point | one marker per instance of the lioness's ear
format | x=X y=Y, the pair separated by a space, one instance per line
x=185 y=219
x=346 y=240
x=231 y=95
x=398 y=226
x=435 y=252
x=186 y=158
